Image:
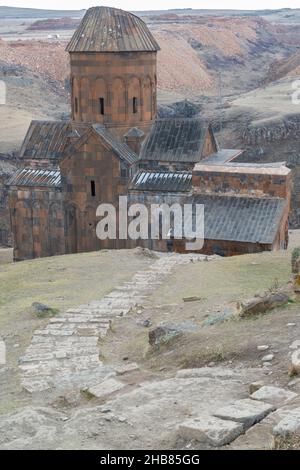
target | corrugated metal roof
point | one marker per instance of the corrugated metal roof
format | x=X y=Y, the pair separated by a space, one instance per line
x=105 y=29
x=45 y=139
x=241 y=219
x=162 y=181
x=175 y=140
x=122 y=150
x=40 y=178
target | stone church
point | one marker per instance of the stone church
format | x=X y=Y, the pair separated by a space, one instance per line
x=114 y=145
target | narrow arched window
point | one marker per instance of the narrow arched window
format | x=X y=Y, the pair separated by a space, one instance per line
x=93 y=188
x=134 y=105
x=101 y=106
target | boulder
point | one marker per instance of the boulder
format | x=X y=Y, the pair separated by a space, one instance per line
x=263 y=304
x=163 y=335
x=43 y=310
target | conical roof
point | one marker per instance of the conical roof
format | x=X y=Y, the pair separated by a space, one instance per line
x=105 y=29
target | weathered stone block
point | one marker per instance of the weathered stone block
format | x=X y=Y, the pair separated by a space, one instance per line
x=289 y=425
x=247 y=412
x=274 y=395
x=106 y=388
x=210 y=430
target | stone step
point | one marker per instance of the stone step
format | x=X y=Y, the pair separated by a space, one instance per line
x=66 y=352
x=77 y=326
x=57 y=341
x=76 y=363
x=58 y=354
x=72 y=318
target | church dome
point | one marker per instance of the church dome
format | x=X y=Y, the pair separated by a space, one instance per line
x=105 y=29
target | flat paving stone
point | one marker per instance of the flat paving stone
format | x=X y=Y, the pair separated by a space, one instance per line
x=274 y=395
x=125 y=368
x=210 y=430
x=246 y=411
x=106 y=388
x=289 y=425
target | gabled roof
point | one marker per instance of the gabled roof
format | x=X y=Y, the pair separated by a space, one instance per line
x=45 y=140
x=120 y=149
x=241 y=219
x=41 y=178
x=178 y=181
x=134 y=132
x=175 y=140
x=105 y=29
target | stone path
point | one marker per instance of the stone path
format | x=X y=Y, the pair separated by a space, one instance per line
x=65 y=354
x=197 y=409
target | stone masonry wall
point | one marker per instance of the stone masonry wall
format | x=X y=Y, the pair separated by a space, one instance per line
x=118 y=78
x=37 y=222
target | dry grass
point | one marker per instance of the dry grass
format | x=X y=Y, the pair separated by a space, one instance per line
x=287 y=443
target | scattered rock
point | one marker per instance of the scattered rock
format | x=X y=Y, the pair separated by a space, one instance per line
x=191 y=299
x=210 y=430
x=105 y=388
x=145 y=323
x=43 y=310
x=145 y=252
x=263 y=347
x=268 y=358
x=263 y=304
x=274 y=395
x=267 y=364
x=163 y=335
x=246 y=411
x=296 y=361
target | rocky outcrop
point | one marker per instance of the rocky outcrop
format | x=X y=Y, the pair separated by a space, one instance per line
x=263 y=304
x=272 y=132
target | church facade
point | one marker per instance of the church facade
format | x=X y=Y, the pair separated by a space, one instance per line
x=114 y=145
